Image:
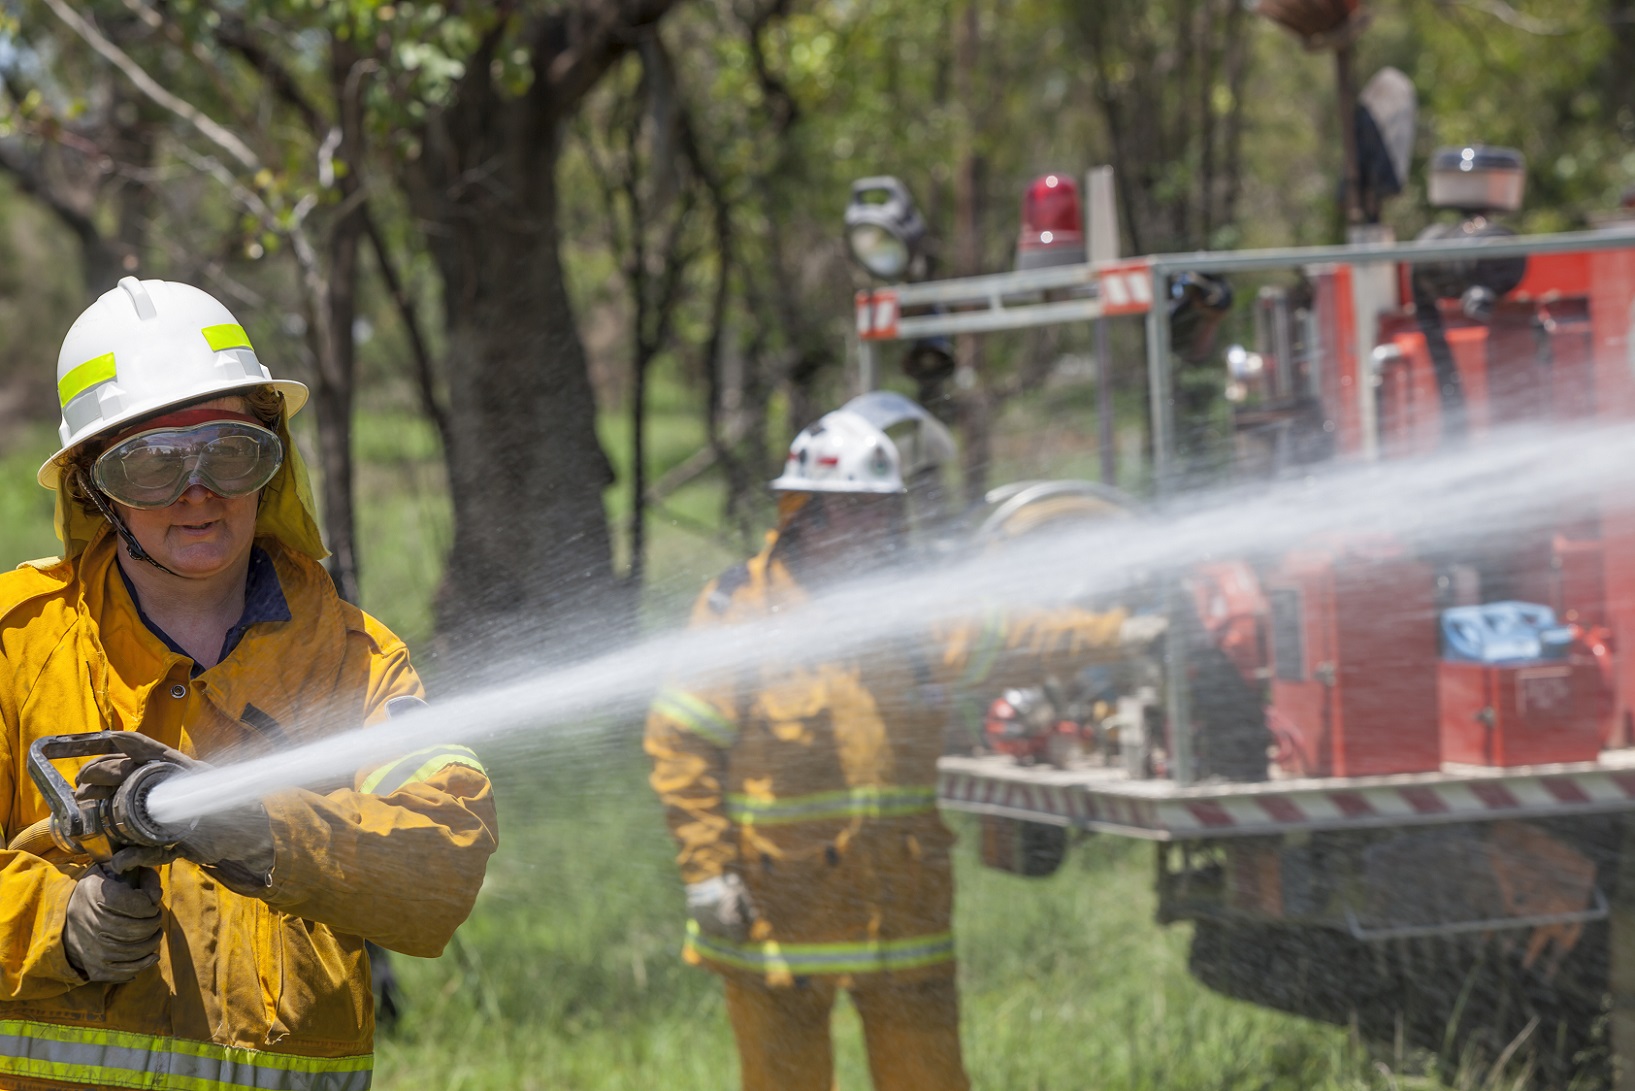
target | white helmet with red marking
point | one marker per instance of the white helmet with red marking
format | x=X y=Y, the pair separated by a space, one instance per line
x=877 y=443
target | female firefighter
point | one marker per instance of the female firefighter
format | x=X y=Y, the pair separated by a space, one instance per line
x=189 y=606
x=803 y=797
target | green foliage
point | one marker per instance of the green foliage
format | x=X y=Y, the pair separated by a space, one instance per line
x=404 y=521
x=38 y=300
x=26 y=508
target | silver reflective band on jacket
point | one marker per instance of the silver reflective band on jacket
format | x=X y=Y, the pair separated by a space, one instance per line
x=114 y=1058
x=153 y=469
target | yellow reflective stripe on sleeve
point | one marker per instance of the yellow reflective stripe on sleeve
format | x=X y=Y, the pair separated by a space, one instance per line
x=84 y=377
x=229 y=335
x=805 y=959
x=695 y=714
x=868 y=802
x=989 y=643
x=418 y=766
x=116 y=1058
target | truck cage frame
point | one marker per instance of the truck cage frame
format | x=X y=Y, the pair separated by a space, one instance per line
x=1179 y=808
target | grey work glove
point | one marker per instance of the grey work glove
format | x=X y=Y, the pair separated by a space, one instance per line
x=237 y=843
x=1139 y=631
x=113 y=928
x=721 y=906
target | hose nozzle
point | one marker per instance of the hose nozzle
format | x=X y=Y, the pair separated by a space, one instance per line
x=100 y=827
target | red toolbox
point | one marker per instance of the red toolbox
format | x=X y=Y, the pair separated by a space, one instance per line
x=1354 y=660
x=1522 y=714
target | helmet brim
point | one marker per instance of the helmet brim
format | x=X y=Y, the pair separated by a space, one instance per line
x=856 y=488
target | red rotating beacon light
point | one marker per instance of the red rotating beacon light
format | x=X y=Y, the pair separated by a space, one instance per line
x=1052 y=224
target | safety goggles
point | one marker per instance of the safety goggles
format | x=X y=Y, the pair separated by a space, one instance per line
x=231 y=454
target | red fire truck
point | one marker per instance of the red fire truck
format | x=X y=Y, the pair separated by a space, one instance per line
x=1418 y=825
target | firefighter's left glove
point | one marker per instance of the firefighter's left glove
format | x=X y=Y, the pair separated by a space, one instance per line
x=236 y=844
x=721 y=907
x=1138 y=632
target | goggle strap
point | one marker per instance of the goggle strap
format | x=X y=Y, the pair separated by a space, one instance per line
x=108 y=513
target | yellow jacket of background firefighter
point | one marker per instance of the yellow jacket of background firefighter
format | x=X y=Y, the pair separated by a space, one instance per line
x=817 y=784
x=268 y=992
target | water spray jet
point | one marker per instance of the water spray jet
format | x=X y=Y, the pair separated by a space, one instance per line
x=1517 y=478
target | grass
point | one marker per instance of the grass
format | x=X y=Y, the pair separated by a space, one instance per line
x=25 y=508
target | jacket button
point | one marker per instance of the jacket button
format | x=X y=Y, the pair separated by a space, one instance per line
x=178 y=691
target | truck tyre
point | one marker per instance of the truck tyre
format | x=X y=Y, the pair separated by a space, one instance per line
x=1463 y=998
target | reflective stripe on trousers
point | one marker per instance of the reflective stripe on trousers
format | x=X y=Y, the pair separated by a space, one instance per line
x=867 y=801
x=807 y=959
x=117 y=1058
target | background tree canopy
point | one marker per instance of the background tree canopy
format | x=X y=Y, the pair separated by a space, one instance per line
x=510 y=220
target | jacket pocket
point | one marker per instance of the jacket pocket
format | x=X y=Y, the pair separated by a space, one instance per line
x=325 y=994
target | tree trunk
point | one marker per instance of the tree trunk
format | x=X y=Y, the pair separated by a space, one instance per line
x=332 y=339
x=332 y=405
x=532 y=569
x=531 y=563
x=974 y=403
x=638 y=464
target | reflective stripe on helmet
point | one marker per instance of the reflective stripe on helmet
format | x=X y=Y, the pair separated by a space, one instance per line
x=696 y=715
x=860 y=802
x=801 y=959
x=96 y=370
x=418 y=766
x=227 y=336
x=117 y=1058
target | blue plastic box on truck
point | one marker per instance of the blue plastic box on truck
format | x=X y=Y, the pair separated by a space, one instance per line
x=1503 y=632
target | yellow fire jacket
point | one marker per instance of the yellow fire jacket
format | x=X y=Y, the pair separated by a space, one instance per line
x=270 y=992
x=818 y=784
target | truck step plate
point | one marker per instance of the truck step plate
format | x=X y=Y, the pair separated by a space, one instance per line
x=1107 y=800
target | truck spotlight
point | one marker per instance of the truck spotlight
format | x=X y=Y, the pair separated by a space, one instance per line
x=930 y=360
x=1478 y=179
x=884 y=228
x=1052 y=225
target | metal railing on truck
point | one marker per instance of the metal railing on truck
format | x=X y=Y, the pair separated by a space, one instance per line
x=1130 y=287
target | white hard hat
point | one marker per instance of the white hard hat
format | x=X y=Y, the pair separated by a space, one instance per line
x=876 y=443
x=144 y=346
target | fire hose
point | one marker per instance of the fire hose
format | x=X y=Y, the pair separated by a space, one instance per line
x=98 y=828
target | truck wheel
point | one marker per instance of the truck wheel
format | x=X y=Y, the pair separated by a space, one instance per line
x=1464 y=998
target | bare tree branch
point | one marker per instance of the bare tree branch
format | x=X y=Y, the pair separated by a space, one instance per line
x=150 y=87
x=424 y=370
x=235 y=36
x=784 y=107
x=1523 y=22
x=574 y=48
x=31 y=180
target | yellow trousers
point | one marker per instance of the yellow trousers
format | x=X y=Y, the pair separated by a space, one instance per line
x=911 y=1031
